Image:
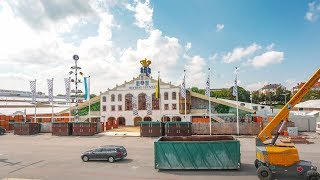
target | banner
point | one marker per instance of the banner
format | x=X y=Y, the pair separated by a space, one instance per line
x=183 y=86
x=148 y=102
x=158 y=87
x=208 y=86
x=33 y=91
x=67 y=86
x=86 y=89
x=50 y=89
x=135 y=105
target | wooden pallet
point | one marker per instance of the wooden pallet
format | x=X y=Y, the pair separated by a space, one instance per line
x=296 y=140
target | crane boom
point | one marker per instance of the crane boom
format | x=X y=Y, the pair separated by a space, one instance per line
x=283 y=114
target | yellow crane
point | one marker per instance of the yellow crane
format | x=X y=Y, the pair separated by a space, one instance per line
x=275 y=157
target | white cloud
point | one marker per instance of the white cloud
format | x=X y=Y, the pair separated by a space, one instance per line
x=219 y=27
x=143 y=14
x=188 y=46
x=270 y=47
x=255 y=86
x=43 y=53
x=213 y=57
x=267 y=58
x=313 y=11
x=239 y=53
x=290 y=83
x=195 y=70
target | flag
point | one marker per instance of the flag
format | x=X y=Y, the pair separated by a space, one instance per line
x=183 y=86
x=86 y=89
x=148 y=102
x=50 y=89
x=208 y=85
x=158 y=87
x=67 y=86
x=135 y=105
x=33 y=91
x=235 y=86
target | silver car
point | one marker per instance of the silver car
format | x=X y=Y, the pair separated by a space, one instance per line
x=110 y=152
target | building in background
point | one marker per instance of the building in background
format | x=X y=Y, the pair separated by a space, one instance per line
x=135 y=101
x=270 y=88
x=316 y=86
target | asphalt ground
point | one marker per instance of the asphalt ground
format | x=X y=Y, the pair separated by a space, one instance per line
x=44 y=156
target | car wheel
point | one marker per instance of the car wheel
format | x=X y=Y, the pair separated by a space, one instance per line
x=85 y=158
x=264 y=173
x=312 y=175
x=1 y=133
x=111 y=159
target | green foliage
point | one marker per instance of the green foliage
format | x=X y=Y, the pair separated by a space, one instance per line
x=312 y=94
x=220 y=108
x=85 y=111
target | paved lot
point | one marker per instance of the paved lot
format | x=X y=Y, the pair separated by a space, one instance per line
x=49 y=157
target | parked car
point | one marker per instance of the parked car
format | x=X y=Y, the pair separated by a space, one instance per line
x=2 y=131
x=110 y=152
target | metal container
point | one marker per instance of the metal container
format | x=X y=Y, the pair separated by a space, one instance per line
x=197 y=152
x=151 y=129
x=26 y=128
x=178 y=129
x=84 y=129
x=61 y=129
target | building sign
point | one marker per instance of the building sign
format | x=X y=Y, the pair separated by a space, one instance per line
x=142 y=84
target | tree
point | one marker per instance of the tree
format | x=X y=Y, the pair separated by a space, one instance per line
x=220 y=108
x=243 y=95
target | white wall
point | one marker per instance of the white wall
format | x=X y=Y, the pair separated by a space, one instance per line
x=304 y=123
x=128 y=115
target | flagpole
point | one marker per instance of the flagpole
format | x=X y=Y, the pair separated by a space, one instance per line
x=159 y=96
x=185 y=99
x=52 y=103
x=89 y=98
x=35 y=103
x=238 y=132
x=209 y=105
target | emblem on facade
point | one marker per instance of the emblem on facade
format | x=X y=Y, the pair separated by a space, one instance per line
x=145 y=66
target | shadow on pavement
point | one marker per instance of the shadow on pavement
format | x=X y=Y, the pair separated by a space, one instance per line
x=123 y=161
x=245 y=170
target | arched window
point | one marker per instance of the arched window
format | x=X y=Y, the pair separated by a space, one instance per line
x=112 y=97
x=166 y=96
x=128 y=102
x=142 y=104
x=174 y=95
x=155 y=102
x=104 y=99
x=119 y=97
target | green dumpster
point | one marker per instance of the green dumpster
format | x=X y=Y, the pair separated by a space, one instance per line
x=197 y=152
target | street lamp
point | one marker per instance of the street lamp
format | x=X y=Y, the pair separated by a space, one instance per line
x=285 y=98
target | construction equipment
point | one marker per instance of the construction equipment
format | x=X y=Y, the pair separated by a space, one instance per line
x=273 y=156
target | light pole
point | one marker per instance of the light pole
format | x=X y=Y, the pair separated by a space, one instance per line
x=285 y=98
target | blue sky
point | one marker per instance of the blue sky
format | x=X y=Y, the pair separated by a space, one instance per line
x=271 y=41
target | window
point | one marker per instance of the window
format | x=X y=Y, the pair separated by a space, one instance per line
x=142 y=104
x=104 y=99
x=119 y=108
x=128 y=102
x=112 y=97
x=166 y=96
x=166 y=106
x=104 y=108
x=174 y=95
x=113 y=108
x=119 y=97
x=174 y=106
x=155 y=102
